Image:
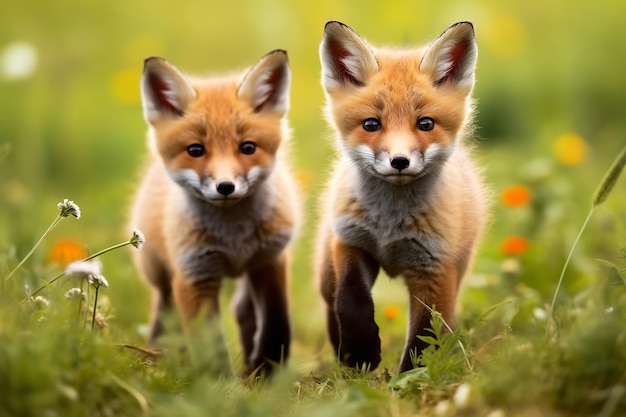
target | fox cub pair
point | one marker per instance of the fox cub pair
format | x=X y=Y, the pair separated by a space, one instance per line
x=217 y=198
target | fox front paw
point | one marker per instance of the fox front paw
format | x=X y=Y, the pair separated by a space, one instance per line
x=361 y=349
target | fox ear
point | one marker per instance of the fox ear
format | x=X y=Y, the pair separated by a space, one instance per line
x=165 y=91
x=266 y=85
x=347 y=60
x=451 y=58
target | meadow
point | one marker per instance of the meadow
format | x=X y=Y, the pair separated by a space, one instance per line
x=549 y=125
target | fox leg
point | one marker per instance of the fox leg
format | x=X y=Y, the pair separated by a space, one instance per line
x=194 y=297
x=268 y=287
x=246 y=317
x=328 y=288
x=162 y=303
x=438 y=291
x=355 y=271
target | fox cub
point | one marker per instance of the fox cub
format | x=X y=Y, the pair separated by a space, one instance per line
x=405 y=195
x=217 y=199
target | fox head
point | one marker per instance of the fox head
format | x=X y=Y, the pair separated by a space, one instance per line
x=399 y=113
x=217 y=138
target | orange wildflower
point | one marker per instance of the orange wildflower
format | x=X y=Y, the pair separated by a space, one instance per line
x=391 y=312
x=515 y=196
x=514 y=245
x=66 y=252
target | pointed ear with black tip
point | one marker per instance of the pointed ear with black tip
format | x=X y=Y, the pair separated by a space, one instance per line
x=165 y=91
x=451 y=58
x=347 y=60
x=266 y=85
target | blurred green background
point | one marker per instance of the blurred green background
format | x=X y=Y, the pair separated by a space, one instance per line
x=551 y=96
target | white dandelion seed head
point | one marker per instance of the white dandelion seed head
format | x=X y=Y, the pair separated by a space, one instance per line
x=97 y=281
x=138 y=238
x=68 y=207
x=84 y=268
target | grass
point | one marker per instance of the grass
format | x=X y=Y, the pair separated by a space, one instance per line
x=500 y=361
x=550 y=119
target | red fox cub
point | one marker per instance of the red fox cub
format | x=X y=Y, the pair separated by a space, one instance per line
x=405 y=195
x=217 y=199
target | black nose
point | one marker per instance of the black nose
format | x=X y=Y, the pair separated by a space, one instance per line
x=225 y=188
x=399 y=162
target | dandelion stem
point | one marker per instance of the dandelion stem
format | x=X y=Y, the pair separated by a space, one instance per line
x=102 y=252
x=41 y=239
x=95 y=304
x=109 y=249
x=48 y=283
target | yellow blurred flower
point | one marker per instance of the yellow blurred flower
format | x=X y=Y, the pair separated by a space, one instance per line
x=514 y=245
x=66 y=252
x=124 y=86
x=570 y=149
x=391 y=312
x=515 y=196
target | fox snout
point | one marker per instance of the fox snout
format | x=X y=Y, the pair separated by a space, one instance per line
x=399 y=168
x=225 y=191
x=399 y=162
x=225 y=188
x=402 y=167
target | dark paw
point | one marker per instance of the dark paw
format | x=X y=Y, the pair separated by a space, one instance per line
x=361 y=350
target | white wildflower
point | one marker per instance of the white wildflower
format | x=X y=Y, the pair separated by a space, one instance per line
x=84 y=268
x=41 y=302
x=443 y=408
x=68 y=207
x=75 y=293
x=540 y=314
x=138 y=238
x=97 y=281
x=18 y=61
x=465 y=396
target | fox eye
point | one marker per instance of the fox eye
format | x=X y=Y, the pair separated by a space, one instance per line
x=196 y=150
x=371 y=125
x=247 y=147
x=425 y=124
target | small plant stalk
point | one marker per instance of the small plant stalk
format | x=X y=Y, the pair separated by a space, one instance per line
x=600 y=195
x=89 y=258
x=80 y=302
x=49 y=230
x=432 y=312
x=95 y=305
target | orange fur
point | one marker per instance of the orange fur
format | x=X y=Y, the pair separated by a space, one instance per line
x=210 y=207
x=405 y=195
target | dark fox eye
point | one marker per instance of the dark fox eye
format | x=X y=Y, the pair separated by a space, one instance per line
x=247 y=148
x=371 y=125
x=425 y=124
x=196 y=150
